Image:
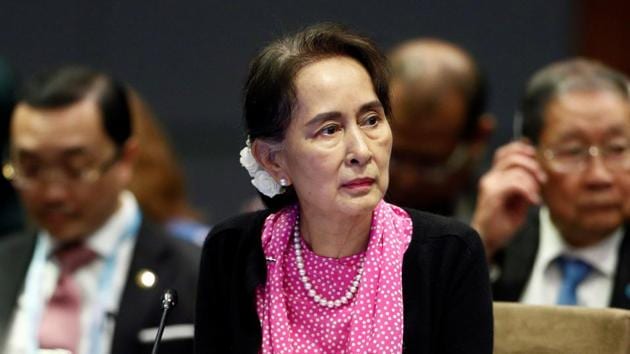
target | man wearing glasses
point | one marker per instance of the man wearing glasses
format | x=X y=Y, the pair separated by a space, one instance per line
x=575 y=164
x=90 y=279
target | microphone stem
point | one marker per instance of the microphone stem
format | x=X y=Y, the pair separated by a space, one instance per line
x=158 y=336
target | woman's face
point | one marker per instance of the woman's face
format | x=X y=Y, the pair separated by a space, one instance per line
x=337 y=147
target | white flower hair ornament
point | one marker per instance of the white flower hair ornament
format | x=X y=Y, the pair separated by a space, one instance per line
x=261 y=179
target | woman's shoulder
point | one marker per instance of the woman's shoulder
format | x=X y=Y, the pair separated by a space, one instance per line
x=240 y=221
x=448 y=248
x=237 y=229
x=431 y=228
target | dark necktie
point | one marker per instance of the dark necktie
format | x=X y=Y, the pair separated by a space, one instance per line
x=574 y=271
x=60 y=326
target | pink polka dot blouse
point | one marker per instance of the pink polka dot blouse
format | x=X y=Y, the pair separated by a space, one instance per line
x=370 y=322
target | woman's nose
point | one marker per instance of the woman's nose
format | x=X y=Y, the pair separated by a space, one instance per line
x=358 y=151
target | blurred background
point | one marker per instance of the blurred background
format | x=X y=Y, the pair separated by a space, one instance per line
x=188 y=59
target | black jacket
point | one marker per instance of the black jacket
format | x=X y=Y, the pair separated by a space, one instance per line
x=516 y=262
x=446 y=290
x=174 y=262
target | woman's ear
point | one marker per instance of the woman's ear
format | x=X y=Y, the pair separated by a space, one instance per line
x=267 y=156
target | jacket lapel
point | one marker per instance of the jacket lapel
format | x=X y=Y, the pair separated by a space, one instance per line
x=16 y=252
x=254 y=274
x=138 y=304
x=621 y=286
x=516 y=262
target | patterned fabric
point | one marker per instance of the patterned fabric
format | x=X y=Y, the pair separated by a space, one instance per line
x=60 y=326
x=371 y=322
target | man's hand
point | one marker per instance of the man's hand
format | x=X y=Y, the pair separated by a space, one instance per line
x=505 y=193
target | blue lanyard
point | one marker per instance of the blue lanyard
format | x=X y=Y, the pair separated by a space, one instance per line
x=33 y=291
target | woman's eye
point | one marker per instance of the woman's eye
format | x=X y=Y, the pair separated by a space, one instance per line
x=372 y=120
x=329 y=130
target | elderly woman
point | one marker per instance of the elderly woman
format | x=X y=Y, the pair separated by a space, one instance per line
x=330 y=267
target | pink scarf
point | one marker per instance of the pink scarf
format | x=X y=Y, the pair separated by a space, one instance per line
x=372 y=322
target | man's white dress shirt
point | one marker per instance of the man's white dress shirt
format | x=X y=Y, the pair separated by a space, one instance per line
x=113 y=243
x=546 y=277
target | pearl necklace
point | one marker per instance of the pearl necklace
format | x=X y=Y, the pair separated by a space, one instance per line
x=352 y=289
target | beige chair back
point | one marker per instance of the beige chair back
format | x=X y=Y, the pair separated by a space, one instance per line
x=521 y=329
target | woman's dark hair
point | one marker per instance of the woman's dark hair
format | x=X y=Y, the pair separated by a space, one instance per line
x=70 y=84
x=562 y=77
x=270 y=93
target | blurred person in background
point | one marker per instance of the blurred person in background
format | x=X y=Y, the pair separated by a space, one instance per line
x=11 y=213
x=440 y=126
x=90 y=278
x=158 y=180
x=551 y=208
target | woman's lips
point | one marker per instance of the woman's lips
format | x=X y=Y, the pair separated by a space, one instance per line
x=359 y=183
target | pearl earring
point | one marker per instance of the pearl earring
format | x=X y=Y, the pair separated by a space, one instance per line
x=284 y=182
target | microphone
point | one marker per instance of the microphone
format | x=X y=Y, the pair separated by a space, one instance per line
x=169 y=300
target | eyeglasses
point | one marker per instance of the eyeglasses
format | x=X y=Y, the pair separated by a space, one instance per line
x=615 y=155
x=27 y=176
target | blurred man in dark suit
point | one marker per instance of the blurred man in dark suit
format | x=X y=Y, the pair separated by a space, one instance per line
x=90 y=279
x=11 y=214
